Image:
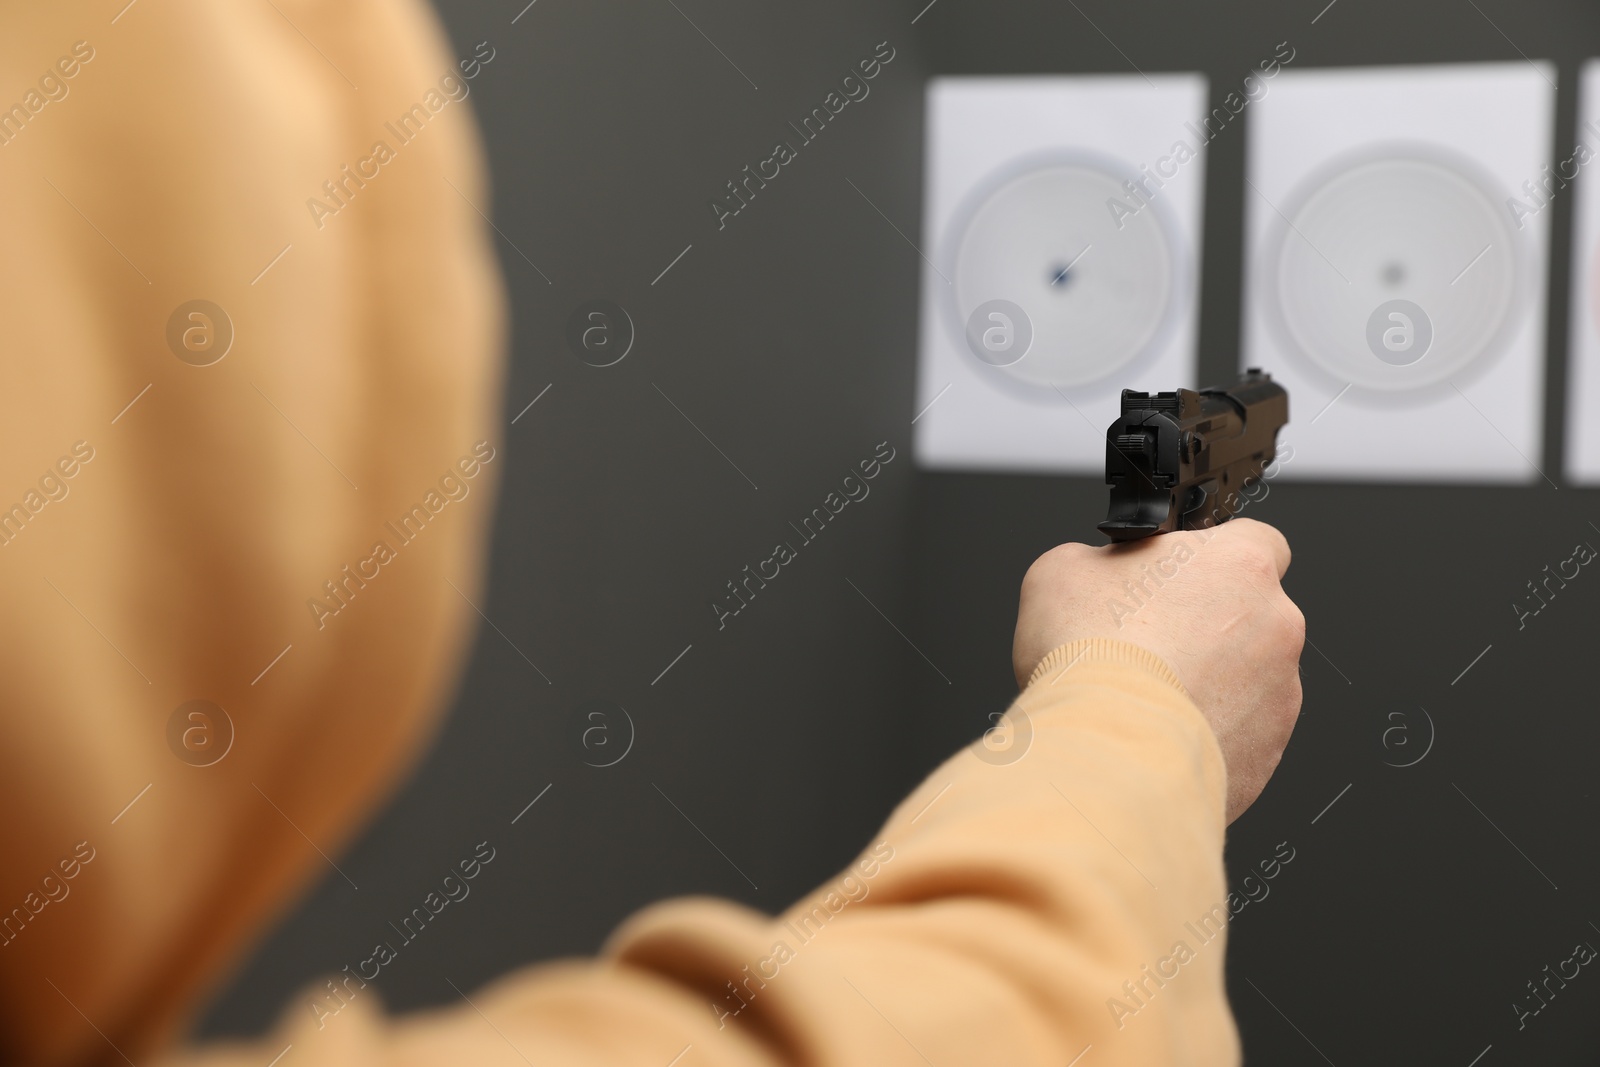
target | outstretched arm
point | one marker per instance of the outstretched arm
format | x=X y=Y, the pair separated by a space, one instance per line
x=1061 y=898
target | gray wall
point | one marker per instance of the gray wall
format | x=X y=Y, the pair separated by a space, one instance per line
x=1407 y=923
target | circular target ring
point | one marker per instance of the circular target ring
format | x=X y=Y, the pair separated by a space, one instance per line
x=1097 y=286
x=1395 y=270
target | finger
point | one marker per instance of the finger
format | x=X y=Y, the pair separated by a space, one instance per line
x=1264 y=536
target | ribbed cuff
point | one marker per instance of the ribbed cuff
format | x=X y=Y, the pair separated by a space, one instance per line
x=1105 y=650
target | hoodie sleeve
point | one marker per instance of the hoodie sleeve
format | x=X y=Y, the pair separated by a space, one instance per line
x=1056 y=894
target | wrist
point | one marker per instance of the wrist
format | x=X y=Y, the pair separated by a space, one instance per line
x=1060 y=661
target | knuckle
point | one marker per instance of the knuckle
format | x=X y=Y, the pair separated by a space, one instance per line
x=1053 y=563
x=1071 y=551
x=1039 y=573
x=1277 y=536
x=1261 y=541
x=1294 y=625
x=1262 y=565
x=1256 y=561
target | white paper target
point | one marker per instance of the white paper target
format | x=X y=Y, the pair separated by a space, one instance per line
x=1383 y=233
x=1049 y=284
x=1392 y=289
x=1096 y=297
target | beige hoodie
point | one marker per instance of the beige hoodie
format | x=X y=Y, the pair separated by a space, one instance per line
x=191 y=509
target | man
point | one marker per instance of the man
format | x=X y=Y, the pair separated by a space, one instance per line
x=171 y=516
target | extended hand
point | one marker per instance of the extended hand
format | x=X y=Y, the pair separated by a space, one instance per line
x=1207 y=602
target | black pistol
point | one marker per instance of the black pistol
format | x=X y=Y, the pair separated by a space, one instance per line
x=1186 y=460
